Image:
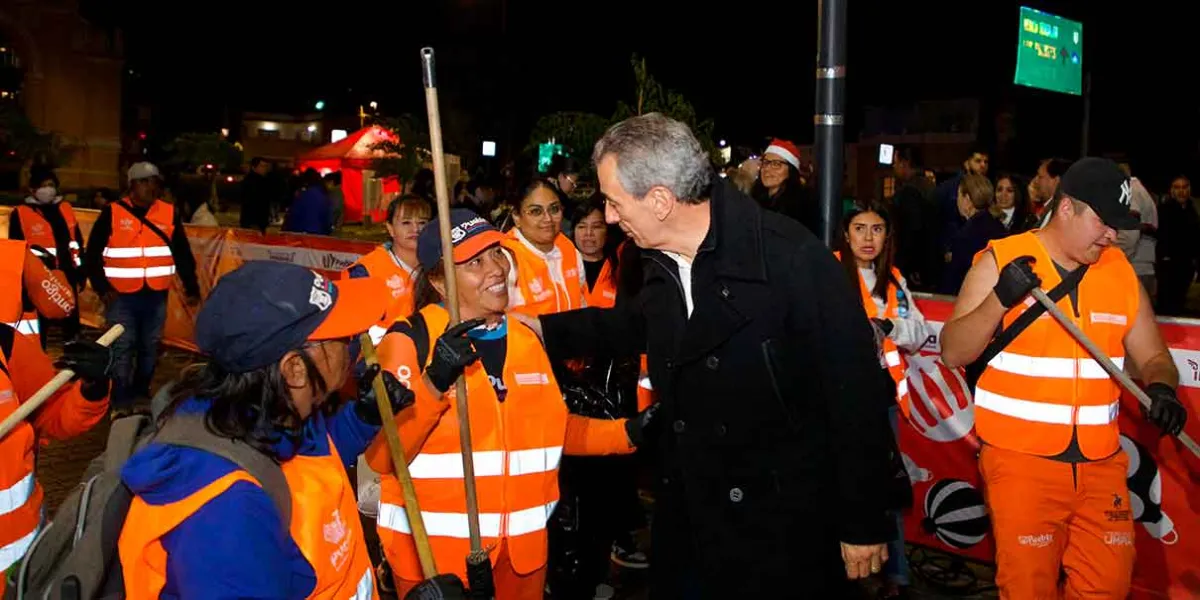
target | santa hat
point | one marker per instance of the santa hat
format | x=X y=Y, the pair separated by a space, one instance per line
x=785 y=150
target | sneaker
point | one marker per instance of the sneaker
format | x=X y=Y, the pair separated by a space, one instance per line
x=630 y=558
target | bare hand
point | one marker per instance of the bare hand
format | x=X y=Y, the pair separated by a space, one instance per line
x=532 y=322
x=863 y=561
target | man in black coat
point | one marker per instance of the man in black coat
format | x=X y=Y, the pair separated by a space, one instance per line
x=772 y=436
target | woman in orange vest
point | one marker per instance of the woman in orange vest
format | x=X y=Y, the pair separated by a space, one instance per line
x=599 y=256
x=868 y=251
x=520 y=426
x=547 y=269
x=395 y=260
x=48 y=224
x=199 y=526
x=74 y=409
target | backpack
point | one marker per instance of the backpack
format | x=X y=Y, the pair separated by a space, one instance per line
x=75 y=557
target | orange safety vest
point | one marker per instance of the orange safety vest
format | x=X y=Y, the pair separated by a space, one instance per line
x=135 y=254
x=1044 y=384
x=325 y=526
x=604 y=293
x=20 y=493
x=545 y=292
x=38 y=232
x=381 y=263
x=897 y=364
x=12 y=300
x=516 y=445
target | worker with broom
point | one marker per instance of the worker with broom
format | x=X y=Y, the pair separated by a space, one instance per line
x=1045 y=409
x=519 y=424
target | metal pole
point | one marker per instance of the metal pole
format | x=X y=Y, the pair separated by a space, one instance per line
x=1087 y=115
x=828 y=120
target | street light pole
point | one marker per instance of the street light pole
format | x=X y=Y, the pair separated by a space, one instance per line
x=828 y=119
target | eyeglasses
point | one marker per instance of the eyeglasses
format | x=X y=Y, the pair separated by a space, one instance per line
x=767 y=163
x=538 y=212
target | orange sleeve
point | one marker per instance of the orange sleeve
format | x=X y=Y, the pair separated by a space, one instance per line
x=593 y=437
x=67 y=413
x=398 y=354
x=49 y=291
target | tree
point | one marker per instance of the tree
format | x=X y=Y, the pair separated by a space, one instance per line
x=576 y=131
x=21 y=140
x=205 y=153
x=405 y=151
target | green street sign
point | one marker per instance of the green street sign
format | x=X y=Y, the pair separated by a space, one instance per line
x=1049 y=52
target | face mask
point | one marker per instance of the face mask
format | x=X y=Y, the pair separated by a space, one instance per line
x=45 y=194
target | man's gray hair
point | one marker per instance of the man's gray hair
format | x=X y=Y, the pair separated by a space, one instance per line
x=653 y=150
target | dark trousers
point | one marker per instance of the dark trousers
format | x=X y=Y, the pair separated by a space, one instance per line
x=1174 y=279
x=70 y=326
x=135 y=353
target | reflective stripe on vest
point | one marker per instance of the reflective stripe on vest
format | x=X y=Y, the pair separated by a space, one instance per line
x=1044 y=412
x=138 y=272
x=16 y=495
x=487 y=464
x=455 y=525
x=11 y=553
x=27 y=326
x=1054 y=368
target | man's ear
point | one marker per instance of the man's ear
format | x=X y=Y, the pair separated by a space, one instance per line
x=662 y=201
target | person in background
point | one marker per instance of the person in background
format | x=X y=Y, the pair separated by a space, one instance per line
x=395 y=260
x=337 y=201
x=424 y=185
x=946 y=193
x=136 y=248
x=599 y=252
x=49 y=225
x=563 y=174
x=866 y=257
x=102 y=197
x=310 y=212
x=258 y=195
x=1139 y=244
x=1045 y=185
x=547 y=269
x=1177 y=249
x=1014 y=208
x=916 y=222
x=779 y=188
x=981 y=224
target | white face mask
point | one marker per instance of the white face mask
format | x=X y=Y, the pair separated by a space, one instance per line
x=45 y=194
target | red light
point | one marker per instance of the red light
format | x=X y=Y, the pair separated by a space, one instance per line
x=141 y=135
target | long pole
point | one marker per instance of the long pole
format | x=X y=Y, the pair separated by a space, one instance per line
x=828 y=119
x=1105 y=361
x=1087 y=115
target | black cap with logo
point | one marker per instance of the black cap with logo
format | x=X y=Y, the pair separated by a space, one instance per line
x=1100 y=183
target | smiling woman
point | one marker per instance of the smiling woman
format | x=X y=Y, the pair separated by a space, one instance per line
x=547 y=269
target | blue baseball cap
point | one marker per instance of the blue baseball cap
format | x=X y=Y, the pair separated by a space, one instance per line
x=262 y=310
x=469 y=232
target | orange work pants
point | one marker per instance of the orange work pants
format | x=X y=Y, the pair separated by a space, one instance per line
x=510 y=585
x=1049 y=516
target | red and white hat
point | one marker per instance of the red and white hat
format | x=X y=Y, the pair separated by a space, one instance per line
x=785 y=150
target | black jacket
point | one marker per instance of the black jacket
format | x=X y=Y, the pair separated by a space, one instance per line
x=772 y=434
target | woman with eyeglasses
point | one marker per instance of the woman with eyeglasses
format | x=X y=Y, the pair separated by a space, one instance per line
x=867 y=254
x=779 y=187
x=548 y=270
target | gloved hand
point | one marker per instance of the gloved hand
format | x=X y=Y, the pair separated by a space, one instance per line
x=1017 y=279
x=451 y=354
x=92 y=364
x=366 y=405
x=441 y=587
x=1166 y=412
x=640 y=428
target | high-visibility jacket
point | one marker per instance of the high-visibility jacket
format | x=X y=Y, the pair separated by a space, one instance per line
x=13 y=311
x=1044 y=384
x=897 y=364
x=135 y=255
x=604 y=293
x=516 y=446
x=20 y=496
x=325 y=526
x=542 y=289
x=38 y=232
x=383 y=264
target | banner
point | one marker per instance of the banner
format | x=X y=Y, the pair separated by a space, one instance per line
x=940 y=449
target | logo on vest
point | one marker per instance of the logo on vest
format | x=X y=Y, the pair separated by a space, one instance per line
x=336 y=532
x=1036 y=541
x=125 y=224
x=531 y=378
x=396 y=284
x=37 y=229
x=535 y=285
x=6 y=396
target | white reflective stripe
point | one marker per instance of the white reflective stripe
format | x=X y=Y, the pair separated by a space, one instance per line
x=44 y=251
x=10 y=554
x=156 y=251
x=902 y=388
x=893 y=358
x=1050 y=367
x=1098 y=415
x=644 y=383
x=16 y=495
x=78 y=262
x=535 y=460
x=166 y=271
x=455 y=525
x=135 y=252
x=26 y=326
x=74 y=245
x=365 y=590
x=124 y=272
x=449 y=465
x=376 y=332
x=1039 y=412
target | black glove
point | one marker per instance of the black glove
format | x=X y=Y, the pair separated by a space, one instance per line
x=1017 y=279
x=1165 y=411
x=367 y=406
x=92 y=364
x=640 y=428
x=451 y=354
x=441 y=587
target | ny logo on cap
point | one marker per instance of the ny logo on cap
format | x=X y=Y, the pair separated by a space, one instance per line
x=1126 y=193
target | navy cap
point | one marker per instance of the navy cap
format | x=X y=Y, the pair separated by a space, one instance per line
x=1102 y=185
x=262 y=310
x=469 y=232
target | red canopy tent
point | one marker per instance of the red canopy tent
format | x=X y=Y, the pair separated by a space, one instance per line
x=352 y=155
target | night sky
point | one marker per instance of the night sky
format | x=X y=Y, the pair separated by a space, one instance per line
x=748 y=65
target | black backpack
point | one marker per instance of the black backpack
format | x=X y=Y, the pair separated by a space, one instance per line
x=74 y=557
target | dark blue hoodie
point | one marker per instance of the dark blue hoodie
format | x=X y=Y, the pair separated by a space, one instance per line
x=236 y=545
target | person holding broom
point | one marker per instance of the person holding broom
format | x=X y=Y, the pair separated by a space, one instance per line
x=519 y=424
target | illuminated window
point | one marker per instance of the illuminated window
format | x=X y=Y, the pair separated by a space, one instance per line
x=889 y=187
x=268 y=133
